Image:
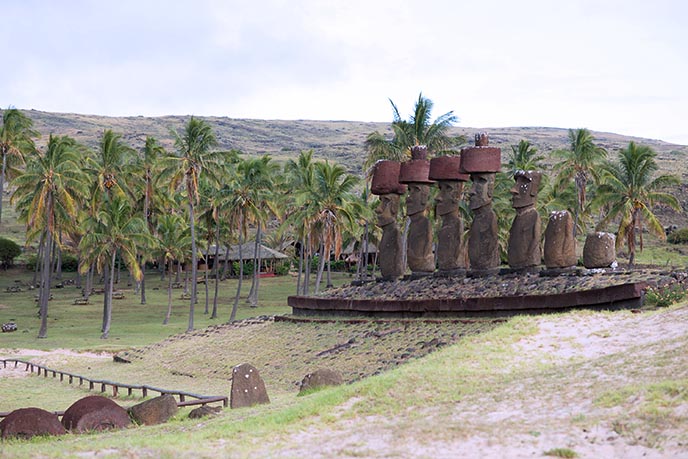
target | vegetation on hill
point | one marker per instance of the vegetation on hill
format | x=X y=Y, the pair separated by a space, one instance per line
x=68 y=191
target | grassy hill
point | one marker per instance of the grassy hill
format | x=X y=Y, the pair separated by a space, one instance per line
x=341 y=141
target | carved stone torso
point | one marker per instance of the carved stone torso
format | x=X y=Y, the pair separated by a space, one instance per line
x=483 y=242
x=449 y=243
x=419 y=245
x=524 y=239
x=391 y=261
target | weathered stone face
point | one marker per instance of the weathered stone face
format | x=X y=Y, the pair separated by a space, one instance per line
x=482 y=189
x=30 y=422
x=248 y=388
x=387 y=210
x=154 y=411
x=417 y=198
x=599 y=250
x=321 y=378
x=525 y=190
x=449 y=196
x=95 y=413
x=560 y=245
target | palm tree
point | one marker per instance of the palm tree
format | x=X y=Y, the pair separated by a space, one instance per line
x=299 y=177
x=523 y=157
x=144 y=171
x=174 y=240
x=629 y=189
x=194 y=157
x=50 y=190
x=259 y=177
x=579 y=162
x=108 y=166
x=330 y=206
x=418 y=130
x=114 y=230
x=15 y=142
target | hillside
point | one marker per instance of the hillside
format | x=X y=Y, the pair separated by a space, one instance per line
x=341 y=141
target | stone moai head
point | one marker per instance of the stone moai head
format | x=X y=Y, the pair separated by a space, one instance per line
x=387 y=210
x=525 y=190
x=482 y=189
x=417 y=198
x=449 y=196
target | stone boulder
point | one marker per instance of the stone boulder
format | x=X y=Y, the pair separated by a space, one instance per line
x=599 y=250
x=203 y=411
x=248 y=388
x=154 y=411
x=30 y=422
x=321 y=378
x=560 y=245
x=95 y=413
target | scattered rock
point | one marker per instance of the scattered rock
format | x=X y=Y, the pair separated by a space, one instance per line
x=203 y=411
x=248 y=388
x=154 y=411
x=320 y=378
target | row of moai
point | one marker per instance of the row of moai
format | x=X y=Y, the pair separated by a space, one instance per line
x=479 y=164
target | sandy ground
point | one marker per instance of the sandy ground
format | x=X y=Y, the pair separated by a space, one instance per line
x=38 y=356
x=524 y=421
x=529 y=417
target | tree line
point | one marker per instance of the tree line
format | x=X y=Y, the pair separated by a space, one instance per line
x=114 y=204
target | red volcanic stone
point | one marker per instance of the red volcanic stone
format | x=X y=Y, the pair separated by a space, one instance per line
x=386 y=178
x=248 y=388
x=30 y=422
x=481 y=160
x=447 y=168
x=95 y=413
x=415 y=171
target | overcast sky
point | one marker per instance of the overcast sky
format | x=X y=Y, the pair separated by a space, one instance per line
x=617 y=66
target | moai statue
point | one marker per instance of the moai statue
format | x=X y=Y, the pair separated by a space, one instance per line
x=385 y=184
x=599 y=250
x=560 y=245
x=524 y=250
x=450 y=252
x=415 y=174
x=482 y=162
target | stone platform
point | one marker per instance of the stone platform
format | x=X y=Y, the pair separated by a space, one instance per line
x=498 y=295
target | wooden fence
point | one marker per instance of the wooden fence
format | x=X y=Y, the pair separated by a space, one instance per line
x=115 y=387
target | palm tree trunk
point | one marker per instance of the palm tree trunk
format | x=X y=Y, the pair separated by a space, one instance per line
x=143 y=281
x=106 y=283
x=39 y=259
x=206 y=277
x=169 y=295
x=194 y=267
x=107 y=307
x=321 y=267
x=44 y=292
x=2 y=179
x=253 y=295
x=329 y=271
x=298 y=279
x=216 y=266
x=241 y=273
x=225 y=270
x=89 y=283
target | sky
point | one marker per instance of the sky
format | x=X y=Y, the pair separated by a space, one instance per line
x=606 y=65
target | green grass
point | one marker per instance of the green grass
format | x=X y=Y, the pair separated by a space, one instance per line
x=78 y=326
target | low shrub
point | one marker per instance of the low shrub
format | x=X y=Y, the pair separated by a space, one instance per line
x=664 y=296
x=9 y=250
x=678 y=236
